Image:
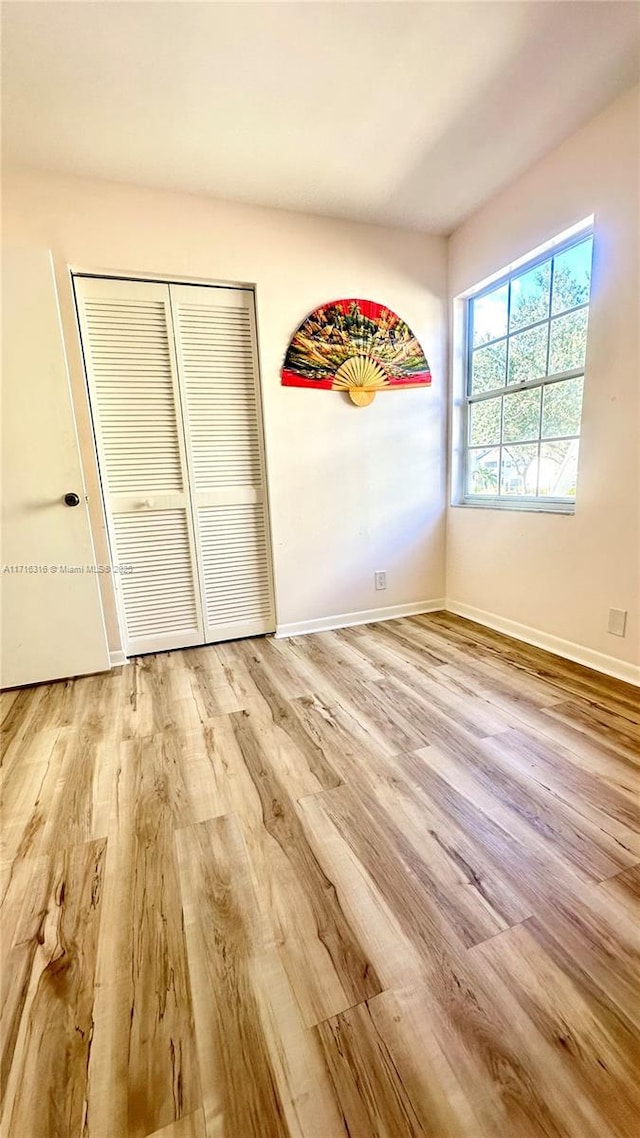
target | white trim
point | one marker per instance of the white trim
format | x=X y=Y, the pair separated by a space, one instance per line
x=579 y=653
x=118 y=658
x=540 y=253
x=522 y=505
x=366 y=616
x=156 y=278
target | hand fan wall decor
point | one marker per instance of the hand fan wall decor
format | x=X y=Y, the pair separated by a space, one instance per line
x=356 y=346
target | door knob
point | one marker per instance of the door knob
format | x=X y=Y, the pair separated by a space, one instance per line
x=71 y=499
x=149 y=502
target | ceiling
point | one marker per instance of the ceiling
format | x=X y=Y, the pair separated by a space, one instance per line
x=400 y=113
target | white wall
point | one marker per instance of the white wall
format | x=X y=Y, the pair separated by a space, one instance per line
x=357 y=490
x=555 y=574
x=352 y=490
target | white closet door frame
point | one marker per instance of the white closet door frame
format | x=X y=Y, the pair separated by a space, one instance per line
x=239 y=496
x=93 y=287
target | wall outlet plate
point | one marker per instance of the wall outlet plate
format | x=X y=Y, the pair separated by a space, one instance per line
x=380 y=577
x=617 y=622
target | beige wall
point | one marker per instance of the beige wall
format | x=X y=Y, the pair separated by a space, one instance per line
x=352 y=490
x=558 y=574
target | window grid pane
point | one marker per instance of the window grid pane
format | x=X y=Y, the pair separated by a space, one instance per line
x=485 y=422
x=521 y=416
x=518 y=470
x=568 y=340
x=529 y=329
x=553 y=267
x=530 y=296
x=528 y=354
x=572 y=277
x=562 y=407
x=483 y=472
x=488 y=367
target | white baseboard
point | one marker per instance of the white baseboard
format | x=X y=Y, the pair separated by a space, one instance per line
x=348 y=619
x=117 y=659
x=611 y=666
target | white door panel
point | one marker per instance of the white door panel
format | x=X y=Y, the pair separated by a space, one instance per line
x=52 y=621
x=130 y=363
x=216 y=347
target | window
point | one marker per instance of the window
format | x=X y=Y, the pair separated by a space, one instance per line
x=526 y=342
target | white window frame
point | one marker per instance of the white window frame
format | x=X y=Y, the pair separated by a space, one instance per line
x=462 y=364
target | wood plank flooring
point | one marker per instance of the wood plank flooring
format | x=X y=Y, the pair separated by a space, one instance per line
x=382 y=882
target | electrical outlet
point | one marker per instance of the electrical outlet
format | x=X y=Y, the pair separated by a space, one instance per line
x=380 y=577
x=617 y=621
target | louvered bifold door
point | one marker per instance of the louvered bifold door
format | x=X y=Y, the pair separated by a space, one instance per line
x=217 y=359
x=131 y=368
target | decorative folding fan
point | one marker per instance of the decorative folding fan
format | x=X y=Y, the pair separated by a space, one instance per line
x=356 y=346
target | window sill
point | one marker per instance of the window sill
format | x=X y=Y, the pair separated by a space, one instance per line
x=538 y=507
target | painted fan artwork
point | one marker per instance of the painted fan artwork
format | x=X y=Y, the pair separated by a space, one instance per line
x=356 y=346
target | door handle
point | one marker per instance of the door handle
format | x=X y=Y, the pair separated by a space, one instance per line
x=71 y=499
x=149 y=502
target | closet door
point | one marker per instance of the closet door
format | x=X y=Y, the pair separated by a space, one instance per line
x=217 y=360
x=130 y=363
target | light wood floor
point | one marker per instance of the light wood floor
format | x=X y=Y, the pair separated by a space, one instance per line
x=375 y=883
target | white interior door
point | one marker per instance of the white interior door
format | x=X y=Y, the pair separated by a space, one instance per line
x=52 y=621
x=216 y=344
x=131 y=368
